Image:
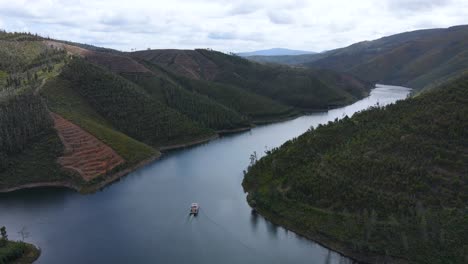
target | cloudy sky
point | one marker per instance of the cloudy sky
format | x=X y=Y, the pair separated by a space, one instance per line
x=227 y=25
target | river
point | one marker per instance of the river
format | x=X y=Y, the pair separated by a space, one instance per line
x=144 y=217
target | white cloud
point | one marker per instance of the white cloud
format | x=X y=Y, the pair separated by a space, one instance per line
x=227 y=25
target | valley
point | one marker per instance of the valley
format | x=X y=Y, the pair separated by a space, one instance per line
x=116 y=144
x=134 y=105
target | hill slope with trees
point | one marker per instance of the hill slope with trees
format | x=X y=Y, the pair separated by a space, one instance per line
x=130 y=107
x=388 y=183
x=299 y=88
x=418 y=59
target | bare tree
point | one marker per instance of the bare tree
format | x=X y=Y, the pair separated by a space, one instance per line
x=24 y=233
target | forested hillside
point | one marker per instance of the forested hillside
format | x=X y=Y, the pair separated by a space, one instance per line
x=418 y=59
x=255 y=107
x=129 y=108
x=63 y=104
x=390 y=181
x=300 y=88
x=198 y=107
x=29 y=146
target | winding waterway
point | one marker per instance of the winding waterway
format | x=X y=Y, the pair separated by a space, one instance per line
x=144 y=217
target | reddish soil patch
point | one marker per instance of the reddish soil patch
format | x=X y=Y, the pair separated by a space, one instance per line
x=84 y=153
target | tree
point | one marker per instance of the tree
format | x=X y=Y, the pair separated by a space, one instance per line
x=253 y=158
x=4 y=238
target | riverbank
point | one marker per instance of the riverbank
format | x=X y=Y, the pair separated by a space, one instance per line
x=108 y=179
x=80 y=188
x=189 y=144
x=325 y=241
x=350 y=184
x=83 y=188
x=19 y=252
x=233 y=131
x=276 y=120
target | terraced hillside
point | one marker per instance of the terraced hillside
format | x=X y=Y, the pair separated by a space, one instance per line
x=387 y=185
x=84 y=153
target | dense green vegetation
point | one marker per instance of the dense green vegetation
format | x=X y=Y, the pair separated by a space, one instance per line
x=254 y=106
x=23 y=118
x=198 y=107
x=16 y=251
x=390 y=181
x=258 y=108
x=35 y=164
x=63 y=100
x=129 y=108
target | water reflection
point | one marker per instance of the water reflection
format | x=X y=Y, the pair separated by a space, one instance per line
x=254 y=219
x=272 y=229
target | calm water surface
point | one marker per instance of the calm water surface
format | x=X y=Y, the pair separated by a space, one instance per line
x=144 y=217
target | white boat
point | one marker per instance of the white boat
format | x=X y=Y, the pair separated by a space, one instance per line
x=194 y=209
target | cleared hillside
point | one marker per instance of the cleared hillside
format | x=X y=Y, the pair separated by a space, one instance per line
x=388 y=182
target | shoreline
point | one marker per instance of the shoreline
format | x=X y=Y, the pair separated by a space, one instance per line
x=83 y=189
x=277 y=120
x=234 y=130
x=120 y=174
x=60 y=184
x=188 y=144
x=110 y=179
x=330 y=244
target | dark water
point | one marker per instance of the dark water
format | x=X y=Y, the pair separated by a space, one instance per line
x=144 y=217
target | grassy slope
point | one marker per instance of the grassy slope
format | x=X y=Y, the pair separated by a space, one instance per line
x=129 y=108
x=63 y=100
x=18 y=252
x=387 y=181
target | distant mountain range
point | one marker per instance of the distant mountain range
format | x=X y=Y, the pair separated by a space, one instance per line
x=274 y=52
x=418 y=59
